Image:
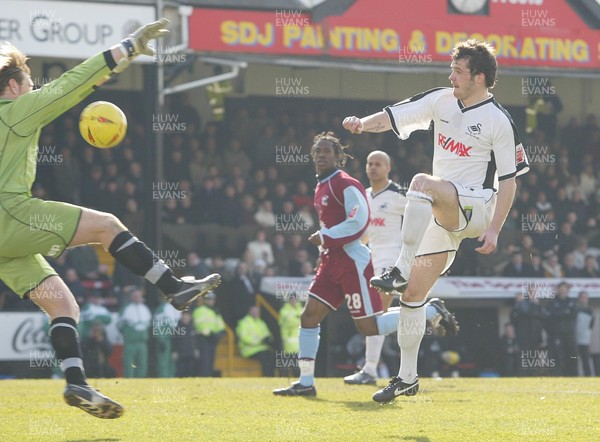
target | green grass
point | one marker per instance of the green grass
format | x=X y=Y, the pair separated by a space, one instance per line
x=531 y=409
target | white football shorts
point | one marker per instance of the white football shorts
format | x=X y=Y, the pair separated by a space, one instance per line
x=475 y=212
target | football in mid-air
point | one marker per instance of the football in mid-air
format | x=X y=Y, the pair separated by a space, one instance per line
x=102 y=124
x=450 y=357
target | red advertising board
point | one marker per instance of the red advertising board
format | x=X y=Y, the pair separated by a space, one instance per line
x=539 y=33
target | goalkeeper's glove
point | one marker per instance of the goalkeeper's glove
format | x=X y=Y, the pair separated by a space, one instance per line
x=137 y=43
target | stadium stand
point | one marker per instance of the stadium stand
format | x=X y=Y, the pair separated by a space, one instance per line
x=223 y=187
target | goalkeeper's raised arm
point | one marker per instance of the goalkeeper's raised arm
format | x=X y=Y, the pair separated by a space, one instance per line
x=32 y=109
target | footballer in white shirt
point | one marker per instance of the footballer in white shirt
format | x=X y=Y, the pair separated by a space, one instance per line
x=387 y=201
x=477 y=155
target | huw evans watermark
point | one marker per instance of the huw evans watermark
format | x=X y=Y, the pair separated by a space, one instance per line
x=168 y=123
x=290 y=86
x=412 y=327
x=46 y=86
x=285 y=359
x=540 y=154
x=290 y=223
x=45 y=221
x=46 y=20
x=291 y=156
x=43 y=359
x=413 y=54
x=163 y=395
x=47 y=289
x=171 y=258
x=537 y=291
x=537 y=361
x=285 y=290
x=44 y=426
x=537 y=18
x=169 y=55
x=164 y=190
x=290 y=17
x=537 y=86
x=537 y=222
x=49 y=156
x=167 y=327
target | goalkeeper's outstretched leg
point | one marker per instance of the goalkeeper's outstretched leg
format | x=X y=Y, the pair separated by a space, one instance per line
x=106 y=229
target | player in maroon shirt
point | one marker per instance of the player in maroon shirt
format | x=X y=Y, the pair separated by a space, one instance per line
x=345 y=262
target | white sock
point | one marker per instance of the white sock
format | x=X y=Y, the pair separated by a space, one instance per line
x=416 y=219
x=411 y=328
x=372 y=353
x=307 y=371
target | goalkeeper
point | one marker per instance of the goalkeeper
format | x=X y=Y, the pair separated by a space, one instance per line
x=32 y=228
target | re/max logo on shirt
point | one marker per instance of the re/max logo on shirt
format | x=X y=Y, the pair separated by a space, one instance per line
x=378 y=222
x=453 y=146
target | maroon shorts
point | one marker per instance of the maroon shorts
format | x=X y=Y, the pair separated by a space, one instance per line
x=341 y=278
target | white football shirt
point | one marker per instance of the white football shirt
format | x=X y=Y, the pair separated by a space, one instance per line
x=475 y=146
x=385 y=225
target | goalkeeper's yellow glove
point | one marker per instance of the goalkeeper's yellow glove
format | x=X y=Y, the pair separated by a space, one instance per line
x=137 y=42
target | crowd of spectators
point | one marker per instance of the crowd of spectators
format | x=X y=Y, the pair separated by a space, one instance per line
x=551 y=333
x=252 y=173
x=253 y=170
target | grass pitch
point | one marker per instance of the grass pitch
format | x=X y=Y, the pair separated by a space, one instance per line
x=531 y=409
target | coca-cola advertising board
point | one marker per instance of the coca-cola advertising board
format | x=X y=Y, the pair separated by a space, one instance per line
x=23 y=334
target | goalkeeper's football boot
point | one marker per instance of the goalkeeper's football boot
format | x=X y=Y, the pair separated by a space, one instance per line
x=192 y=289
x=396 y=387
x=389 y=281
x=448 y=322
x=296 y=389
x=91 y=401
x=360 y=378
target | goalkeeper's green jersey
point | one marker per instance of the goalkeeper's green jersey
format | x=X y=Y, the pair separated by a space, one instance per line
x=22 y=119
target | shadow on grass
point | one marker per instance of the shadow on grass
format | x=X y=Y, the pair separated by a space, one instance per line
x=355 y=405
x=412 y=438
x=368 y=405
x=94 y=440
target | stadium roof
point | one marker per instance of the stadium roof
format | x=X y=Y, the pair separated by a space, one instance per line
x=251 y=4
x=319 y=9
x=588 y=10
